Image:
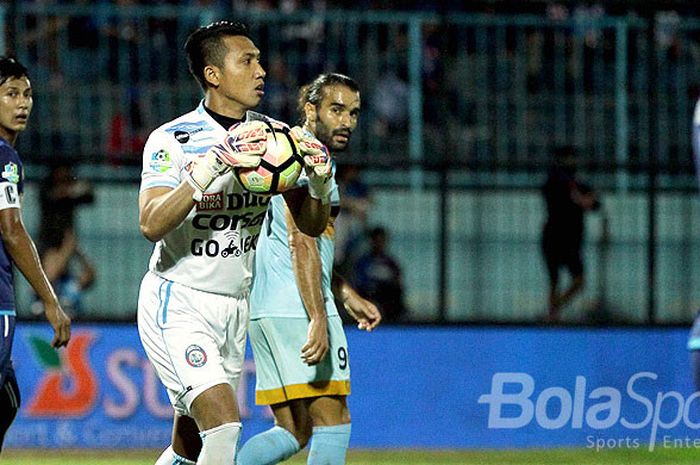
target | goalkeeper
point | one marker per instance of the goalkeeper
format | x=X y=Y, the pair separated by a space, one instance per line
x=193 y=301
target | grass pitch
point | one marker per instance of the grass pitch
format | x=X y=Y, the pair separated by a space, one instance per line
x=639 y=456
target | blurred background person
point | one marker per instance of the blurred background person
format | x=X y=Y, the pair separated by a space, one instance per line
x=67 y=266
x=694 y=339
x=567 y=200
x=378 y=277
x=351 y=225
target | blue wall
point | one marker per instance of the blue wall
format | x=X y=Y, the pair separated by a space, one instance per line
x=412 y=387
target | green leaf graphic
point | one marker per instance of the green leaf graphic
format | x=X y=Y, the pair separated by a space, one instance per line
x=47 y=356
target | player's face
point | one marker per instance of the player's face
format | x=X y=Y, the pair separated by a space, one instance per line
x=242 y=78
x=15 y=105
x=336 y=117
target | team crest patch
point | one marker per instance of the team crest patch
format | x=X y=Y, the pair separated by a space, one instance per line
x=196 y=356
x=160 y=161
x=11 y=173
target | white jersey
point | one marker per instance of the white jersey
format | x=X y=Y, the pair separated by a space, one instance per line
x=212 y=250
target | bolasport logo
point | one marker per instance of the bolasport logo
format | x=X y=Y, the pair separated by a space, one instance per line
x=513 y=403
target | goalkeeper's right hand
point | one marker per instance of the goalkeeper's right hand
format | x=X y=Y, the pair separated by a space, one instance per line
x=243 y=146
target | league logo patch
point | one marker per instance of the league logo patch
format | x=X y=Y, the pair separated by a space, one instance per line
x=160 y=161
x=195 y=356
x=11 y=173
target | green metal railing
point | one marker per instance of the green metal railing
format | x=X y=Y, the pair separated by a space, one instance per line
x=460 y=114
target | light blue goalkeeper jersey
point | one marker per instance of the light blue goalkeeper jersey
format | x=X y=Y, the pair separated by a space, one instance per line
x=274 y=292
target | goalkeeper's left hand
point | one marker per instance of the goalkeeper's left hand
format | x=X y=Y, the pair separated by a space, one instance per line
x=317 y=162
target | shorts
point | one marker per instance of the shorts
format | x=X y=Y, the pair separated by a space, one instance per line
x=561 y=254
x=282 y=375
x=194 y=339
x=7 y=334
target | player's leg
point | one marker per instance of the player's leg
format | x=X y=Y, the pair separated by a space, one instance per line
x=290 y=434
x=186 y=440
x=186 y=443
x=574 y=263
x=216 y=413
x=551 y=259
x=181 y=333
x=287 y=384
x=273 y=354
x=216 y=410
x=9 y=404
x=331 y=430
x=9 y=392
x=329 y=412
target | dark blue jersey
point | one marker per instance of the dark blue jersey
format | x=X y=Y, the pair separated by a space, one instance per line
x=11 y=188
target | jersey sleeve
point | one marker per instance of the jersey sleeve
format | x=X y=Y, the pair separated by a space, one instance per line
x=163 y=161
x=10 y=179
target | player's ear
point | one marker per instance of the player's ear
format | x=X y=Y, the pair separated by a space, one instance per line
x=212 y=75
x=310 y=115
x=310 y=112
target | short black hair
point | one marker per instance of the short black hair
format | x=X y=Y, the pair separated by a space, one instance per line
x=205 y=47
x=11 y=68
x=313 y=92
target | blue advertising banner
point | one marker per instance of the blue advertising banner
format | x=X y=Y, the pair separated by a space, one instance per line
x=411 y=387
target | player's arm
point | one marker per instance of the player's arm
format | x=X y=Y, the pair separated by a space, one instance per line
x=310 y=207
x=362 y=310
x=24 y=255
x=162 y=209
x=310 y=215
x=306 y=263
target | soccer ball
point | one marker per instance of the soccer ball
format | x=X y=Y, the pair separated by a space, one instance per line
x=279 y=167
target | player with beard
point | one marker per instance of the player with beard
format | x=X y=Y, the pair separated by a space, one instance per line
x=298 y=342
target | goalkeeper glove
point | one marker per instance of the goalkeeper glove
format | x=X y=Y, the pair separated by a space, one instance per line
x=317 y=163
x=243 y=146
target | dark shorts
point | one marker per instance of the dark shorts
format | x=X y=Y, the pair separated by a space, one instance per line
x=7 y=334
x=560 y=254
x=9 y=392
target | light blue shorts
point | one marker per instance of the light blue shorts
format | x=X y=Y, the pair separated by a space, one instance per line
x=281 y=373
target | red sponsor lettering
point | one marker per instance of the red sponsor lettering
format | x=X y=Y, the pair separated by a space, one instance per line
x=213 y=201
